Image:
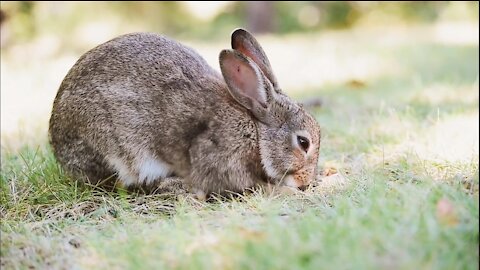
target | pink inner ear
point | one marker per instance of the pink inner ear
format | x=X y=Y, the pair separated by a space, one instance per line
x=250 y=53
x=249 y=50
x=242 y=76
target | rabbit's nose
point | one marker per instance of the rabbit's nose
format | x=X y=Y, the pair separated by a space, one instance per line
x=303 y=188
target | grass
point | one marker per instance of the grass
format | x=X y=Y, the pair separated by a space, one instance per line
x=404 y=143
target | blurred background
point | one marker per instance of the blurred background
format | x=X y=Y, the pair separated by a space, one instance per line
x=312 y=46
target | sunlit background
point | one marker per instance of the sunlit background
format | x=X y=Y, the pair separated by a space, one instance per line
x=312 y=46
x=397 y=96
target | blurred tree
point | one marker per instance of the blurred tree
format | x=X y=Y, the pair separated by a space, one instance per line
x=168 y=17
x=72 y=21
x=260 y=16
x=3 y=16
x=18 y=20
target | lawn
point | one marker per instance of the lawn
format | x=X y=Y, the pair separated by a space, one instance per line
x=399 y=118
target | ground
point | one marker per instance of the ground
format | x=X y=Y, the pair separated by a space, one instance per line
x=399 y=120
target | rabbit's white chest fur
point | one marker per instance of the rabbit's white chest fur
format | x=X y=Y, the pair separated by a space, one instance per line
x=146 y=169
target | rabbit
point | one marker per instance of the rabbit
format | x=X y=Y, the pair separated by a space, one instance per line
x=143 y=109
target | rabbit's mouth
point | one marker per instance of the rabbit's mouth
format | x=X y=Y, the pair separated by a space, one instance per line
x=292 y=176
x=289 y=181
x=293 y=181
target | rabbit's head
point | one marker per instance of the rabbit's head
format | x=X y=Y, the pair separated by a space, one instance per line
x=289 y=137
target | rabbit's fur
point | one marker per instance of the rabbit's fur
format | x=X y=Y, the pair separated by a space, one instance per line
x=142 y=108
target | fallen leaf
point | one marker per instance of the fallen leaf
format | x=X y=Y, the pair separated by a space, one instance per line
x=356 y=84
x=327 y=171
x=446 y=213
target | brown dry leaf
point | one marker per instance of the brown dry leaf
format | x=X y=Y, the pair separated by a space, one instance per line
x=251 y=234
x=356 y=84
x=328 y=171
x=446 y=213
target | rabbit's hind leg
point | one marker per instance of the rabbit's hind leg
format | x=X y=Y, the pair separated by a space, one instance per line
x=171 y=185
x=83 y=164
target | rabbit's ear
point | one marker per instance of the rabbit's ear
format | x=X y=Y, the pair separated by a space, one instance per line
x=245 y=43
x=246 y=83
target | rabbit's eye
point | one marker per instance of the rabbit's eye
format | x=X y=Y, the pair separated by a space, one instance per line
x=303 y=142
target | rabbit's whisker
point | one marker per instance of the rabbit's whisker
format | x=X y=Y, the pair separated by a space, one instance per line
x=284 y=174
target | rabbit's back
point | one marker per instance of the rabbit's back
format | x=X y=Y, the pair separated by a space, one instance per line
x=144 y=60
x=131 y=98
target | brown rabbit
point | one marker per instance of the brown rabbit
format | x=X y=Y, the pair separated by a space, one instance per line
x=146 y=109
